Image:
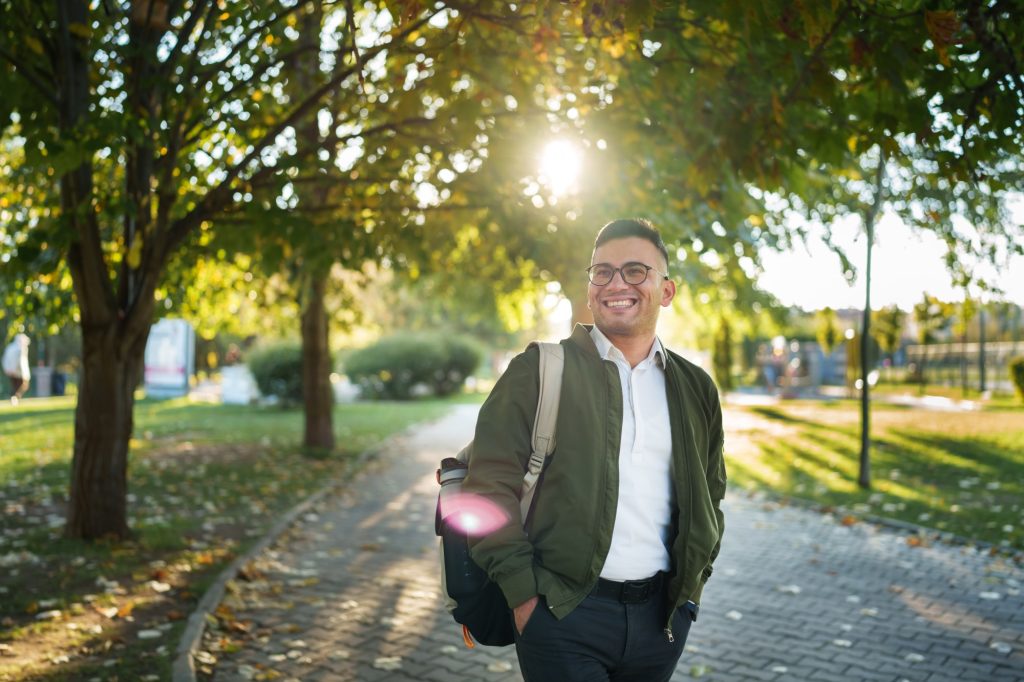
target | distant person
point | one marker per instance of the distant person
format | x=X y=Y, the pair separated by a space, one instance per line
x=15 y=364
x=606 y=579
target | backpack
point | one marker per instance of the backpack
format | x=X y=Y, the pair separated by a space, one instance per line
x=473 y=600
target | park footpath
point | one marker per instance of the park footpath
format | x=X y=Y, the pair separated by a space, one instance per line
x=350 y=592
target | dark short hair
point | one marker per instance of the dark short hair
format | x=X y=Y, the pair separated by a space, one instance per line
x=632 y=227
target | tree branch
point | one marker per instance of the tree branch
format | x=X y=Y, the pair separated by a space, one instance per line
x=31 y=77
x=816 y=55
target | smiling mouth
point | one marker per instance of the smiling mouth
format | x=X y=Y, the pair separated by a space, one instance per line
x=619 y=304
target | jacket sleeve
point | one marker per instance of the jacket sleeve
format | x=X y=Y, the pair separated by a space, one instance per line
x=498 y=461
x=716 y=469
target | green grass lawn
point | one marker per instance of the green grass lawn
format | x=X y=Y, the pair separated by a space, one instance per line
x=959 y=472
x=996 y=399
x=204 y=482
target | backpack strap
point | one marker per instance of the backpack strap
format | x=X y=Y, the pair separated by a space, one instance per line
x=552 y=361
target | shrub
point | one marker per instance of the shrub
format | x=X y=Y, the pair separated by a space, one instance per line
x=1017 y=375
x=393 y=366
x=462 y=357
x=277 y=369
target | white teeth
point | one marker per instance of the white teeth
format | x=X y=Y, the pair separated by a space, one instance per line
x=618 y=304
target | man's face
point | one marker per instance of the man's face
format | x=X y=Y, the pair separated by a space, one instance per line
x=622 y=309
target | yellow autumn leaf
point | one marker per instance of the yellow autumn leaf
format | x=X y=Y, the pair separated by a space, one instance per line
x=33 y=44
x=135 y=253
x=615 y=48
x=80 y=30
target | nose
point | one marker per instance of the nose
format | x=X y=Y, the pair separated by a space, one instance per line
x=621 y=277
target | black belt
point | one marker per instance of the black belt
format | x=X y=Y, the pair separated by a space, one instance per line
x=629 y=592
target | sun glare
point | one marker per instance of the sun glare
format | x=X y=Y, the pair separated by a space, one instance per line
x=560 y=166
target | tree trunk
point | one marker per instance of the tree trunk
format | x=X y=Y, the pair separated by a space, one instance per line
x=103 y=428
x=981 y=348
x=317 y=396
x=864 y=474
x=963 y=365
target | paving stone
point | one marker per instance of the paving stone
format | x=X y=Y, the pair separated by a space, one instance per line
x=361 y=578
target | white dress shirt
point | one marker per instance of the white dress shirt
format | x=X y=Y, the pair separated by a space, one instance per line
x=644 y=511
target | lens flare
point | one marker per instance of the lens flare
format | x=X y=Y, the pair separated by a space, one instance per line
x=561 y=164
x=473 y=514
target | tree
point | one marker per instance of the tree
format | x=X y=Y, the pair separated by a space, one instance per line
x=932 y=316
x=722 y=355
x=968 y=310
x=827 y=329
x=888 y=328
x=153 y=136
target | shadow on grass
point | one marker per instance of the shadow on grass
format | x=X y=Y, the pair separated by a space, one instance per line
x=963 y=484
x=777 y=414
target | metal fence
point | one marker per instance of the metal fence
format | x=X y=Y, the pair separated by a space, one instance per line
x=953 y=364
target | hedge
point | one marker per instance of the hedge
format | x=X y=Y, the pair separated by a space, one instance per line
x=395 y=365
x=277 y=369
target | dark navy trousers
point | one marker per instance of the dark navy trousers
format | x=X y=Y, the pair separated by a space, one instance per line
x=602 y=639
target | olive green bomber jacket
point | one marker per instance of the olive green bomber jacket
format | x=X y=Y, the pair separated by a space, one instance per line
x=560 y=552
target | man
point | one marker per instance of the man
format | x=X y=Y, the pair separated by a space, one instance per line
x=15 y=365
x=606 y=577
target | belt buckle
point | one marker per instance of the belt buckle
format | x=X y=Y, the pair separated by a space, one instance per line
x=635 y=592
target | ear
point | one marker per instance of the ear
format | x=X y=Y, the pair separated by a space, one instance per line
x=668 y=292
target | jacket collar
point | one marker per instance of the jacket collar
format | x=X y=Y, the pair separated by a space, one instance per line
x=582 y=337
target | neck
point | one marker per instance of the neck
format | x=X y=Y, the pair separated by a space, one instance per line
x=634 y=348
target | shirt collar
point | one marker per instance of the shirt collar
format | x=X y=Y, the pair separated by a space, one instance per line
x=607 y=350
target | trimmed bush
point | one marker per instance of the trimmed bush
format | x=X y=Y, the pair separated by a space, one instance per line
x=277 y=369
x=395 y=365
x=1017 y=375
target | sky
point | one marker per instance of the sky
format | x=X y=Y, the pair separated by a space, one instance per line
x=906 y=264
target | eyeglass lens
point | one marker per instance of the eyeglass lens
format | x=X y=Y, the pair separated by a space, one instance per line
x=632 y=273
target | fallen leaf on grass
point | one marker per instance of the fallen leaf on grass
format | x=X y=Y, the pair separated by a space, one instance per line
x=247 y=672
x=250 y=573
x=240 y=626
x=125 y=610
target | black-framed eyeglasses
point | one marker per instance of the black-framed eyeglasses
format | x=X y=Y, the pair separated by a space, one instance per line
x=601 y=274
